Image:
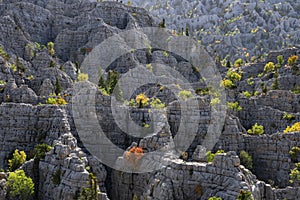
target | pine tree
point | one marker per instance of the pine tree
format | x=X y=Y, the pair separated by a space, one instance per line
x=228 y=64
x=163 y=23
x=58 y=87
x=187 y=31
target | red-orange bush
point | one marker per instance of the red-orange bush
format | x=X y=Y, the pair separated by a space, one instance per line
x=134 y=154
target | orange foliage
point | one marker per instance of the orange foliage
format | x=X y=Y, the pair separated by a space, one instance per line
x=134 y=154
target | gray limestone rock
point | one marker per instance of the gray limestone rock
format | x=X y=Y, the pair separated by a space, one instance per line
x=46 y=88
x=69 y=164
x=70 y=70
x=76 y=27
x=3 y=189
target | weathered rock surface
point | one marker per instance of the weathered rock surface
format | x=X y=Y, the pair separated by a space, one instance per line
x=23 y=126
x=75 y=26
x=232 y=28
x=64 y=174
x=3 y=188
x=224 y=177
x=29 y=73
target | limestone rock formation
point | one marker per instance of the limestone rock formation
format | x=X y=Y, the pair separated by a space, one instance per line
x=31 y=72
x=232 y=28
x=64 y=172
x=46 y=88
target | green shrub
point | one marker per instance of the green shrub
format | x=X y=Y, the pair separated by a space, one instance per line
x=234 y=106
x=19 y=65
x=135 y=197
x=294 y=153
x=13 y=67
x=4 y=55
x=269 y=67
x=275 y=85
x=210 y=156
x=166 y=54
x=185 y=94
x=91 y=192
x=33 y=49
x=131 y=102
x=83 y=50
x=280 y=61
x=2 y=82
x=260 y=75
x=250 y=81
x=17 y=160
x=145 y=125
x=51 y=64
x=227 y=84
x=214 y=198
x=224 y=62
x=56 y=177
x=215 y=101
x=157 y=104
x=295 y=173
x=51 y=50
x=296 y=89
x=204 y=91
x=245 y=195
x=149 y=50
x=104 y=92
x=247 y=94
x=19 y=185
x=292 y=60
x=233 y=75
x=82 y=77
x=57 y=100
x=149 y=67
x=246 y=159
x=288 y=116
x=256 y=129
x=110 y=84
x=239 y=62
x=40 y=151
x=51 y=100
x=31 y=77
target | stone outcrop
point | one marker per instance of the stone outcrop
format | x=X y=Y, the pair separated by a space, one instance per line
x=74 y=28
x=231 y=28
x=70 y=69
x=3 y=188
x=271 y=158
x=64 y=174
x=46 y=88
x=224 y=177
x=23 y=126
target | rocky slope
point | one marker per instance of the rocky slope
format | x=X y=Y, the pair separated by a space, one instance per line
x=30 y=73
x=230 y=28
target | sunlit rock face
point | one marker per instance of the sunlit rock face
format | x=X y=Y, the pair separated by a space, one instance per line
x=232 y=28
